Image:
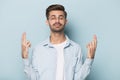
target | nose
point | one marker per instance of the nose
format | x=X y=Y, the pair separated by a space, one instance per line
x=57 y=19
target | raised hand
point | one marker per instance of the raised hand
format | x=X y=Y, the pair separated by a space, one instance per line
x=25 y=44
x=92 y=47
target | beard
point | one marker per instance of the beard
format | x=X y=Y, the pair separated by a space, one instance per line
x=57 y=27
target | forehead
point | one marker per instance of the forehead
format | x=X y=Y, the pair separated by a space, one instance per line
x=56 y=13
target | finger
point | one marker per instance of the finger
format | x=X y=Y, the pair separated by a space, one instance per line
x=87 y=45
x=24 y=37
x=89 y=50
x=95 y=40
x=93 y=44
x=28 y=44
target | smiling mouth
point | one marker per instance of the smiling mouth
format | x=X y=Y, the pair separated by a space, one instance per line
x=57 y=24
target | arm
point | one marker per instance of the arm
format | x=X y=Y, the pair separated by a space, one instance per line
x=83 y=70
x=29 y=69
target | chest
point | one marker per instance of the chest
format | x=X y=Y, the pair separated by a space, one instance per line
x=46 y=61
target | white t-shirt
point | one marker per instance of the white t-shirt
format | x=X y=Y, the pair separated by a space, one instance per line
x=60 y=61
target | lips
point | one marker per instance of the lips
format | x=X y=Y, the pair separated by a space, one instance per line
x=57 y=24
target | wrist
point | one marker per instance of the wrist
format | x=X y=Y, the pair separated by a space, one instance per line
x=24 y=55
x=90 y=57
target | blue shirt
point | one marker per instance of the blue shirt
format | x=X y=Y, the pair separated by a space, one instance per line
x=43 y=66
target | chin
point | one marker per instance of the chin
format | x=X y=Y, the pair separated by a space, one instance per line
x=60 y=30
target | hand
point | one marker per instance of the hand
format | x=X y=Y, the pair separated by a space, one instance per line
x=92 y=47
x=25 y=46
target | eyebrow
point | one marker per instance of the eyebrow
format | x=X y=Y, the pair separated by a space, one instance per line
x=59 y=16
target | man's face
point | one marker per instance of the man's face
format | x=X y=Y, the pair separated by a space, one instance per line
x=56 y=21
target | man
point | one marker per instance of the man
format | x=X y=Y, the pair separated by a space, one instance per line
x=58 y=57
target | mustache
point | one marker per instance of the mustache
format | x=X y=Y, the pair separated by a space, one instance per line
x=57 y=23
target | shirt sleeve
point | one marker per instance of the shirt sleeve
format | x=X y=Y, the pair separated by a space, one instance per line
x=30 y=69
x=82 y=70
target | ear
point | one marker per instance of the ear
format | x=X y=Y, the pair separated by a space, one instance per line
x=66 y=21
x=47 y=22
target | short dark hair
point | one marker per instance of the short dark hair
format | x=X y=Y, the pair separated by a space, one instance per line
x=55 y=7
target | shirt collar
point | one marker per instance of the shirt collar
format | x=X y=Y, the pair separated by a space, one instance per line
x=47 y=42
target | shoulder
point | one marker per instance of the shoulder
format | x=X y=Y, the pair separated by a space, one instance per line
x=75 y=44
x=75 y=47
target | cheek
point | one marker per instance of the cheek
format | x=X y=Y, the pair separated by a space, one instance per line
x=51 y=22
x=63 y=22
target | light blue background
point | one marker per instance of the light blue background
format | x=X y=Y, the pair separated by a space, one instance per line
x=85 y=18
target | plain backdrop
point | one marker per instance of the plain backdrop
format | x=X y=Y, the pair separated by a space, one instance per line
x=85 y=18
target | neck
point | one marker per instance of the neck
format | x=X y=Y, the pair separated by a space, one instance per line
x=57 y=38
